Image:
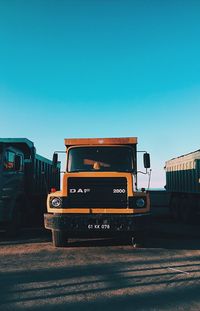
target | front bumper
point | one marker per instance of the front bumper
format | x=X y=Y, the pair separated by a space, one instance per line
x=97 y=223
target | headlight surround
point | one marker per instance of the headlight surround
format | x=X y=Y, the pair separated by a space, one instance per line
x=140 y=203
x=137 y=202
x=56 y=202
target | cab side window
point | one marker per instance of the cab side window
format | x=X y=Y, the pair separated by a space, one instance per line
x=9 y=161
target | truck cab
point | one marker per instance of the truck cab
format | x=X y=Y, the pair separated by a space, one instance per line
x=99 y=193
x=25 y=180
x=11 y=182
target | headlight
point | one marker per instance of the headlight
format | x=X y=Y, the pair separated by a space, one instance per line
x=56 y=202
x=140 y=202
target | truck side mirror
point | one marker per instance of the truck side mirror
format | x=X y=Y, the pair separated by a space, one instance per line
x=17 y=162
x=146 y=160
x=55 y=160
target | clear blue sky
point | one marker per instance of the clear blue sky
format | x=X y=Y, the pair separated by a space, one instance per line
x=102 y=68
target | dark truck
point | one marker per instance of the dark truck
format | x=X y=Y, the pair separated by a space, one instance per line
x=25 y=180
x=99 y=193
x=183 y=185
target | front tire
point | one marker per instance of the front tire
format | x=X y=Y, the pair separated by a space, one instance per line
x=175 y=208
x=188 y=210
x=15 y=224
x=59 y=238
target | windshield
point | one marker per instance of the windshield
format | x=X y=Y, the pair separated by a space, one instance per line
x=100 y=159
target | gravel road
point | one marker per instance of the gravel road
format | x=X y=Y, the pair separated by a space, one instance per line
x=102 y=274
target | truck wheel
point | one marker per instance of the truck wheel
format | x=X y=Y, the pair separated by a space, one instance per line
x=187 y=211
x=175 y=209
x=14 y=225
x=186 y=214
x=59 y=238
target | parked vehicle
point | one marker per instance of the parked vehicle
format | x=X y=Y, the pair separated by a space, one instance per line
x=25 y=180
x=99 y=193
x=183 y=184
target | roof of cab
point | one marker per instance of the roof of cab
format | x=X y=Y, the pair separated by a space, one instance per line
x=100 y=141
x=26 y=141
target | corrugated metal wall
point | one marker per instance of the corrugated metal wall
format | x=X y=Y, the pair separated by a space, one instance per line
x=183 y=177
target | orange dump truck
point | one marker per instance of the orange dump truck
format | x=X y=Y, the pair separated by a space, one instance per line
x=99 y=193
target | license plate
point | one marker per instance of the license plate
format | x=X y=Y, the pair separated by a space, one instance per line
x=98 y=226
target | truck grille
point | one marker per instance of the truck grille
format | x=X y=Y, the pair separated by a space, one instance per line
x=97 y=192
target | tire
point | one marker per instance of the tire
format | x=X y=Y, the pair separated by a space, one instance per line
x=175 y=208
x=59 y=238
x=185 y=211
x=188 y=210
x=15 y=224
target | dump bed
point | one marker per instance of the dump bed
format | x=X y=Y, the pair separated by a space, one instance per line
x=44 y=176
x=183 y=173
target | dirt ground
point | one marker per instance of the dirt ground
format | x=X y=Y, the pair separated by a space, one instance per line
x=102 y=274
